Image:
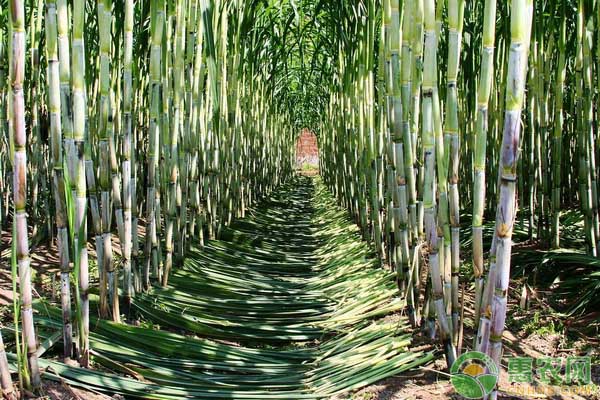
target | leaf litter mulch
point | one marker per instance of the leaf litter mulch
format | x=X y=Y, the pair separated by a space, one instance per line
x=288 y=304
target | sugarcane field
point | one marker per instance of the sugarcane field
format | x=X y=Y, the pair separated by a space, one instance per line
x=299 y=199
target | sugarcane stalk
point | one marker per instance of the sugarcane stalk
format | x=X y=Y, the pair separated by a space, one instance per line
x=588 y=115
x=393 y=195
x=479 y=156
x=415 y=108
x=452 y=135
x=126 y=152
x=585 y=190
x=19 y=156
x=37 y=162
x=152 y=211
x=429 y=154
x=79 y=177
x=558 y=133
x=400 y=191
x=54 y=111
x=173 y=170
x=115 y=204
x=5 y=380
x=190 y=126
x=521 y=18
x=532 y=148
x=106 y=155
x=3 y=118
x=409 y=159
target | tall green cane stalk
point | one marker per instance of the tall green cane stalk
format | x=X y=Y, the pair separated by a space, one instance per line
x=396 y=113
x=409 y=161
x=173 y=169
x=105 y=130
x=430 y=114
x=152 y=212
x=54 y=111
x=127 y=153
x=415 y=105
x=521 y=18
x=480 y=146
x=19 y=155
x=589 y=135
x=557 y=137
x=452 y=137
x=79 y=232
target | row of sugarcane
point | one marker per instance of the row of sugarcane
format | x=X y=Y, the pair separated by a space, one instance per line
x=162 y=127
x=409 y=139
x=175 y=115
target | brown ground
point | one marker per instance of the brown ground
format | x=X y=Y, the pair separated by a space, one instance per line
x=521 y=338
x=62 y=391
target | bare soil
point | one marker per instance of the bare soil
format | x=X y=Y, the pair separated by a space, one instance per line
x=522 y=338
x=62 y=391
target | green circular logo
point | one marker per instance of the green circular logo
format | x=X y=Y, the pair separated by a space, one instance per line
x=474 y=375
